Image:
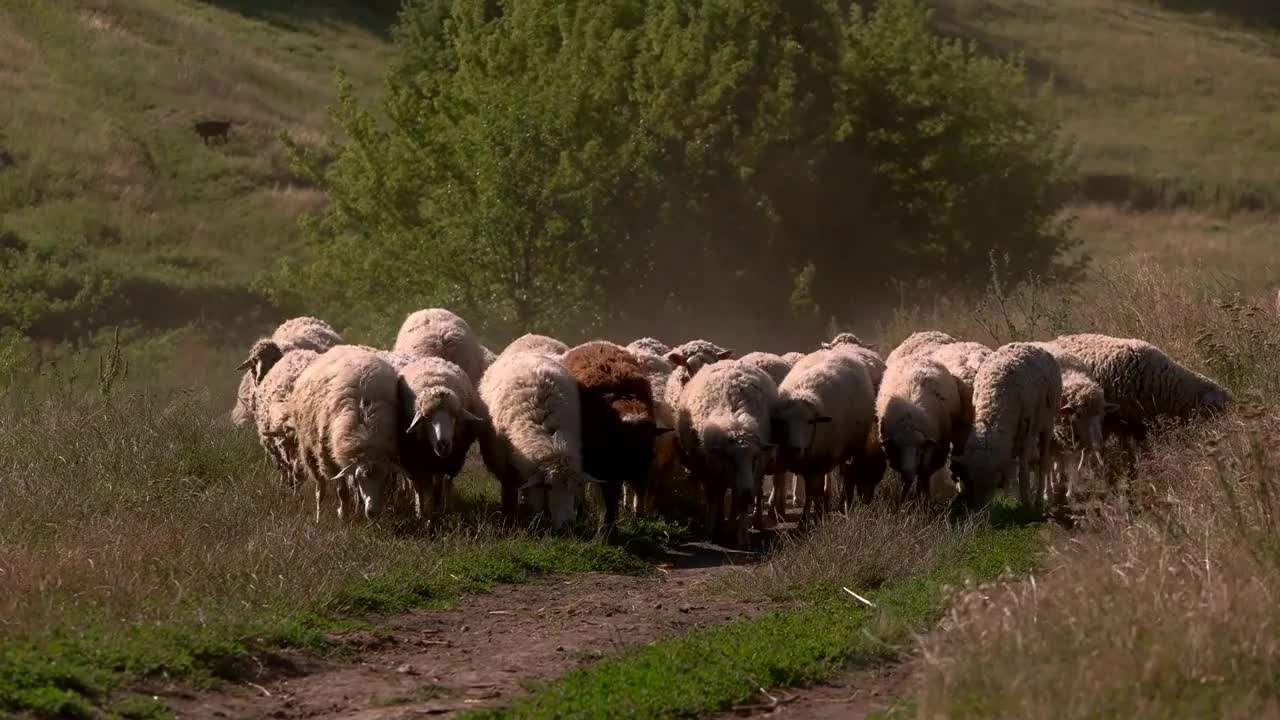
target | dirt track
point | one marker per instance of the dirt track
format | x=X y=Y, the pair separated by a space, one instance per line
x=484 y=650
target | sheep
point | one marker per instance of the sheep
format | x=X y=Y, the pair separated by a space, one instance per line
x=487 y=355
x=440 y=416
x=530 y=342
x=851 y=343
x=962 y=360
x=1083 y=412
x=687 y=360
x=271 y=404
x=665 y=462
x=772 y=365
x=397 y=360
x=824 y=416
x=1144 y=384
x=793 y=357
x=1016 y=399
x=920 y=415
x=723 y=421
x=924 y=341
x=299 y=333
x=344 y=410
x=649 y=345
x=618 y=421
x=436 y=332
x=535 y=442
x=776 y=368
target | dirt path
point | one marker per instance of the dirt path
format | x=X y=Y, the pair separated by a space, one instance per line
x=852 y=696
x=484 y=650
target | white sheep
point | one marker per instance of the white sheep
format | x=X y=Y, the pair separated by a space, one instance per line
x=436 y=332
x=440 y=416
x=723 y=422
x=535 y=444
x=963 y=360
x=1016 y=399
x=687 y=360
x=779 y=482
x=272 y=403
x=344 y=408
x=299 y=333
x=920 y=416
x=924 y=341
x=1081 y=418
x=530 y=342
x=1144 y=384
x=649 y=345
x=870 y=357
x=824 y=416
x=793 y=357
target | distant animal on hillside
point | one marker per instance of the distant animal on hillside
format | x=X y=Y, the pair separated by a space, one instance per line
x=209 y=129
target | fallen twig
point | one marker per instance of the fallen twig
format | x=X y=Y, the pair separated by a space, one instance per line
x=858 y=597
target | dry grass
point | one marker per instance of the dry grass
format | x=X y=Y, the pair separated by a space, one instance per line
x=865 y=549
x=1148 y=93
x=1165 y=606
x=1171 y=614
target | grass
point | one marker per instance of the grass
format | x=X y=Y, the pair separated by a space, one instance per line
x=713 y=669
x=1166 y=107
x=105 y=161
x=142 y=537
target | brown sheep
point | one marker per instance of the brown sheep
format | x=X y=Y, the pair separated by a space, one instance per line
x=618 y=422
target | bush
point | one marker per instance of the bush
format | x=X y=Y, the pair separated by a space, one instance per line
x=562 y=166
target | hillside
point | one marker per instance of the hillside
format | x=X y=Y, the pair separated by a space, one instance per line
x=104 y=176
x=1172 y=107
x=115 y=210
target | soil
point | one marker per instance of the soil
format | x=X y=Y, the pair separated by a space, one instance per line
x=488 y=648
x=852 y=696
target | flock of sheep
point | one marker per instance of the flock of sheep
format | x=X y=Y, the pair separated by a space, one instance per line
x=551 y=421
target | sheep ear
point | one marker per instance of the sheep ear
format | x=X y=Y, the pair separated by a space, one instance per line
x=820 y=419
x=471 y=417
x=593 y=479
x=675 y=358
x=724 y=355
x=344 y=472
x=1111 y=407
x=825 y=345
x=660 y=431
x=417 y=418
x=768 y=447
x=245 y=365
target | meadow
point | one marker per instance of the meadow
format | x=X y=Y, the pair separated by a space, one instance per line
x=145 y=544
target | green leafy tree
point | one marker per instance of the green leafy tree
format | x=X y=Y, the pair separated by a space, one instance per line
x=656 y=165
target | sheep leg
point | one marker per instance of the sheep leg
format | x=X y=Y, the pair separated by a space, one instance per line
x=611 y=492
x=778 y=498
x=346 y=503
x=714 y=500
x=1048 y=453
x=510 y=496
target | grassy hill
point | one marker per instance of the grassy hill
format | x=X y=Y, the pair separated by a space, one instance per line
x=104 y=175
x=114 y=210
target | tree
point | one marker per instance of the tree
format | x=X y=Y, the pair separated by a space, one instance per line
x=652 y=165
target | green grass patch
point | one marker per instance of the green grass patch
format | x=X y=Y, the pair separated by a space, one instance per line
x=712 y=669
x=70 y=674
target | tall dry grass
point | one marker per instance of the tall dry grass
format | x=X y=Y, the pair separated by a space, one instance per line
x=1162 y=608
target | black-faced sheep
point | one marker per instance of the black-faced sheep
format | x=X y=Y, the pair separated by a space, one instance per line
x=618 y=421
x=440 y=416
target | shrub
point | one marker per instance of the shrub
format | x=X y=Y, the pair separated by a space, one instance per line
x=540 y=155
